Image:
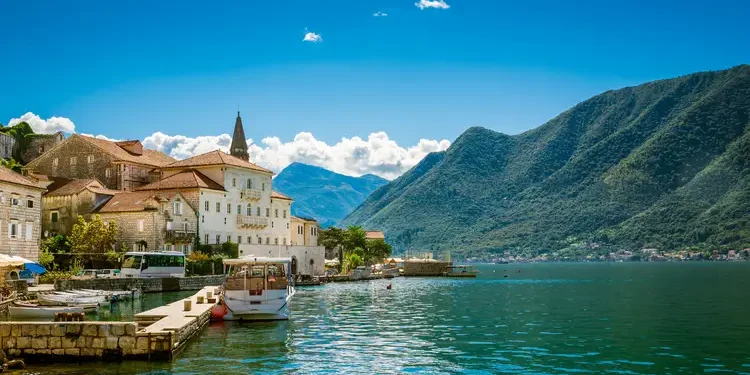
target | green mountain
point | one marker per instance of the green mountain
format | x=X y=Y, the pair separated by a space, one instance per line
x=324 y=195
x=662 y=165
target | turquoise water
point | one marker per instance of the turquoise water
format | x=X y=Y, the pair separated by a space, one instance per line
x=627 y=318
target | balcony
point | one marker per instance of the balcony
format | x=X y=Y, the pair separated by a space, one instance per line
x=251 y=194
x=252 y=221
x=179 y=235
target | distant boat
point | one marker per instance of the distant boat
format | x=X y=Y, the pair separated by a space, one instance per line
x=501 y=262
x=361 y=272
x=461 y=271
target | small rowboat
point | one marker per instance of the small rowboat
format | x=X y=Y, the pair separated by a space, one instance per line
x=28 y=311
x=72 y=299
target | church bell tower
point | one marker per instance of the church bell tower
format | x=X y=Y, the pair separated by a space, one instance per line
x=239 y=144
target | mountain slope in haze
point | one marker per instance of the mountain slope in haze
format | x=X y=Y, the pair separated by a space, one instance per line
x=324 y=195
x=665 y=164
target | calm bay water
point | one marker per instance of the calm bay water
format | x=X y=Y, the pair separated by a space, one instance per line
x=626 y=318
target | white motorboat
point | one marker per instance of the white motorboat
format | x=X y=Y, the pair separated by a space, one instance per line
x=256 y=288
x=361 y=272
x=29 y=311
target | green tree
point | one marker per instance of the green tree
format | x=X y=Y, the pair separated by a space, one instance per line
x=377 y=250
x=352 y=260
x=354 y=237
x=11 y=164
x=93 y=237
x=230 y=249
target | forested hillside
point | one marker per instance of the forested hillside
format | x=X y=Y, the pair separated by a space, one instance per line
x=665 y=165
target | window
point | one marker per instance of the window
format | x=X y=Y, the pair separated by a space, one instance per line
x=229 y=208
x=225 y=221
x=54 y=162
x=218 y=238
x=234 y=182
x=268 y=212
x=257 y=211
x=239 y=239
x=140 y=225
x=268 y=240
x=276 y=213
x=249 y=183
x=284 y=240
x=206 y=206
x=177 y=208
x=90 y=159
x=73 y=160
x=108 y=172
x=260 y=240
x=276 y=241
x=13 y=230
x=287 y=225
x=249 y=239
x=53 y=216
x=206 y=241
x=284 y=214
x=239 y=209
x=203 y=219
x=30 y=203
x=14 y=201
x=271 y=223
x=264 y=186
x=185 y=227
x=249 y=210
x=218 y=207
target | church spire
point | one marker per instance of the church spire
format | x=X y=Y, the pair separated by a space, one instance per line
x=239 y=144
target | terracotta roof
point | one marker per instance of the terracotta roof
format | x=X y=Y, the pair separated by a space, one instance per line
x=184 y=180
x=374 y=235
x=309 y=219
x=135 y=201
x=149 y=157
x=7 y=175
x=216 y=158
x=64 y=186
x=277 y=195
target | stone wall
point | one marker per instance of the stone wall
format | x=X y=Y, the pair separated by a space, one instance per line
x=425 y=268
x=40 y=143
x=7 y=143
x=26 y=220
x=166 y=284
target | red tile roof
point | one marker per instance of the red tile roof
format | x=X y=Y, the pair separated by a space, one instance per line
x=149 y=157
x=374 y=235
x=215 y=158
x=184 y=180
x=7 y=175
x=136 y=201
x=277 y=195
x=64 y=186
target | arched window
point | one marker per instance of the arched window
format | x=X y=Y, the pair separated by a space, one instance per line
x=249 y=210
x=249 y=183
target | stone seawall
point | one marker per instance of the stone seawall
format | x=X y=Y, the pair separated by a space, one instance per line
x=166 y=284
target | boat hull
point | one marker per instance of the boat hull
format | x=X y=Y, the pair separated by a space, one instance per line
x=22 y=312
x=242 y=307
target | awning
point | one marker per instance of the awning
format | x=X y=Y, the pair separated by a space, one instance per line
x=16 y=261
x=332 y=262
x=35 y=268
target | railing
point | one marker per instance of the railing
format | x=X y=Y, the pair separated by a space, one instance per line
x=252 y=221
x=251 y=194
x=173 y=235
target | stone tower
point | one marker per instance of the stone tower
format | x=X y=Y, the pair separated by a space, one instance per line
x=239 y=144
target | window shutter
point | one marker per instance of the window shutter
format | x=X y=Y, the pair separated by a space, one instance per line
x=9 y=229
x=180 y=208
x=29 y=230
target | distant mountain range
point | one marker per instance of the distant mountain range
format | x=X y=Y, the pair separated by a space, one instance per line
x=324 y=195
x=662 y=165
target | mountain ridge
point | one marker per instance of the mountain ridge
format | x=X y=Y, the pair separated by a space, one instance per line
x=578 y=181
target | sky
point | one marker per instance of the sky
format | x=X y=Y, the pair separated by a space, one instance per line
x=354 y=86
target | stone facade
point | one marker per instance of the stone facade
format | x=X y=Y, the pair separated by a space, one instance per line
x=304 y=231
x=81 y=157
x=168 y=223
x=7 y=143
x=41 y=143
x=60 y=211
x=20 y=216
x=147 y=285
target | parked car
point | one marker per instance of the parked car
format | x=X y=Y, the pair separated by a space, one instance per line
x=85 y=275
x=108 y=274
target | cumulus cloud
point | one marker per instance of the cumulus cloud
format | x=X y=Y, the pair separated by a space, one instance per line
x=101 y=136
x=48 y=126
x=354 y=156
x=312 y=37
x=437 y=4
x=380 y=14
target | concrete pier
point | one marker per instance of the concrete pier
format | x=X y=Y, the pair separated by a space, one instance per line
x=159 y=333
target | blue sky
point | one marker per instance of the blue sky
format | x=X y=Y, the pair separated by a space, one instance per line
x=128 y=69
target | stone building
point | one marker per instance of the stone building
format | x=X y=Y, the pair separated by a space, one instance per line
x=152 y=220
x=7 y=143
x=20 y=215
x=65 y=199
x=122 y=165
x=41 y=143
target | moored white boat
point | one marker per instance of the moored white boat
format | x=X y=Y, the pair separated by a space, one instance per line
x=28 y=311
x=71 y=299
x=256 y=288
x=361 y=272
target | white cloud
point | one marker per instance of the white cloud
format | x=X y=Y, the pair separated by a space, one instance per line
x=101 y=136
x=437 y=4
x=48 y=126
x=380 y=14
x=351 y=156
x=312 y=37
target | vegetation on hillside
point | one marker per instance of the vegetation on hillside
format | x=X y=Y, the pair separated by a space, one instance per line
x=662 y=165
x=354 y=249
